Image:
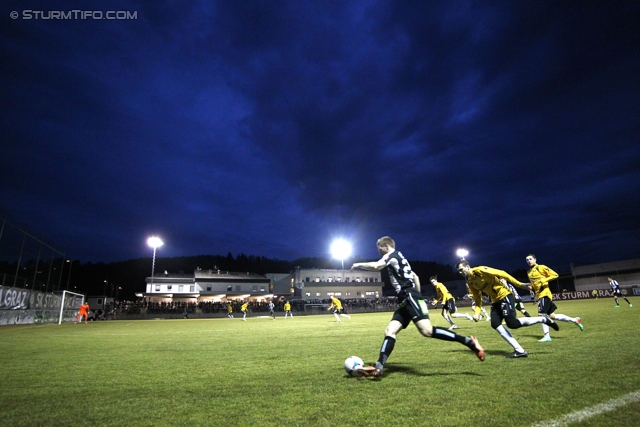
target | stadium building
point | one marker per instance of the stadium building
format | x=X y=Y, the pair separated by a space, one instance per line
x=301 y=284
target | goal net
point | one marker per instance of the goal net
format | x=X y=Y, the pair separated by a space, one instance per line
x=69 y=305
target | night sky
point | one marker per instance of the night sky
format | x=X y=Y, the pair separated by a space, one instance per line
x=270 y=128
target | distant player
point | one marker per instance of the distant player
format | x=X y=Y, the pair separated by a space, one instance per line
x=229 y=311
x=487 y=280
x=448 y=303
x=411 y=306
x=615 y=288
x=336 y=306
x=272 y=307
x=287 y=309
x=83 y=312
x=243 y=309
x=540 y=276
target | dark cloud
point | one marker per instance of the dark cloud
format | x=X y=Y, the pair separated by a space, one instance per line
x=269 y=128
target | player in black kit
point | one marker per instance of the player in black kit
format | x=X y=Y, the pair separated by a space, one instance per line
x=411 y=306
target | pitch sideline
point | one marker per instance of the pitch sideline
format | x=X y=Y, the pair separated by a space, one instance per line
x=586 y=413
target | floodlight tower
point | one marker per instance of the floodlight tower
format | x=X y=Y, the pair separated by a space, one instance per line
x=341 y=249
x=155 y=243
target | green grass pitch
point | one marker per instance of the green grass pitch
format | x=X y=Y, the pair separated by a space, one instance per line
x=210 y=372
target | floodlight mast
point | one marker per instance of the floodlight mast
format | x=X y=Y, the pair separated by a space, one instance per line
x=155 y=243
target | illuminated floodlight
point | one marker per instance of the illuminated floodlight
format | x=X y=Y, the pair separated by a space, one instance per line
x=341 y=249
x=154 y=242
x=462 y=253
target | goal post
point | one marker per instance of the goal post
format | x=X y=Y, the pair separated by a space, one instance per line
x=70 y=301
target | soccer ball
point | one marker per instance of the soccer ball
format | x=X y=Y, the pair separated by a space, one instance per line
x=352 y=364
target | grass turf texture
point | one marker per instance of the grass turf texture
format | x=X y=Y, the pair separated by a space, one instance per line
x=203 y=372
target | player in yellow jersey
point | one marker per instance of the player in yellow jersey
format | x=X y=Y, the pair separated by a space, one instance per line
x=243 y=309
x=448 y=303
x=540 y=276
x=487 y=280
x=411 y=306
x=287 y=309
x=336 y=306
x=229 y=311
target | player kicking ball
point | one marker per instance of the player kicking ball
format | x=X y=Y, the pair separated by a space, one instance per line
x=412 y=306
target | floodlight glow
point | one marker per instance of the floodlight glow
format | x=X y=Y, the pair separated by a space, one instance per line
x=462 y=253
x=154 y=242
x=340 y=249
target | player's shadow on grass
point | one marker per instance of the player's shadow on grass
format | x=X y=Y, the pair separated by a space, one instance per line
x=408 y=370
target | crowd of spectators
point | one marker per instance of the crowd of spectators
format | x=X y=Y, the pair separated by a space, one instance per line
x=215 y=307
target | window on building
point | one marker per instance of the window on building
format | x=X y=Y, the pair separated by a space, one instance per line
x=318 y=294
x=238 y=288
x=330 y=279
x=169 y=287
x=180 y=288
x=308 y=294
x=192 y=288
x=229 y=288
x=317 y=279
x=307 y=279
x=262 y=289
x=254 y=288
x=157 y=288
x=208 y=288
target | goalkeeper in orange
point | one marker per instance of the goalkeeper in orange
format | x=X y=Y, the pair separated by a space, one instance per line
x=84 y=312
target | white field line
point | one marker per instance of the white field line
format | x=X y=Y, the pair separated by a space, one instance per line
x=586 y=413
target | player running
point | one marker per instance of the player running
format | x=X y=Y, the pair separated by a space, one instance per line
x=615 y=288
x=411 y=306
x=540 y=276
x=487 y=280
x=336 y=305
x=448 y=303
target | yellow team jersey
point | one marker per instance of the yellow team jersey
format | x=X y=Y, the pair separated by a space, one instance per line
x=229 y=308
x=335 y=302
x=540 y=276
x=442 y=293
x=244 y=306
x=487 y=280
x=287 y=307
